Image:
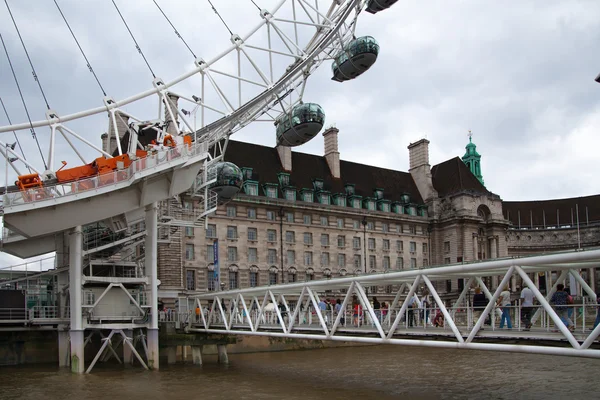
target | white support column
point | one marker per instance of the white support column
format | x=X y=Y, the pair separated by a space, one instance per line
x=197 y=355
x=75 y=289
x=150 y=261
x=127 y=353
x=63 y=348
x=222 y=350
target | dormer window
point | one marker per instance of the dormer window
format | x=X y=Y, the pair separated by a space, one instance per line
x=251 y=188
x=324 y=198
x=284 y=179
x=339 y=200
x=307 y=195
x=405 y=198
x=318 y=184
x=290 y=194
x=378 y=193
x=247 y=173
x=383 y=205
x=271 y=190
x=356 y=202
x=397 y=208
x=349 y=187
x=369 y=204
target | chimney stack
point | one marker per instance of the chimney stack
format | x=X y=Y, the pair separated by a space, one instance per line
x=332 y=155
x=285 y=157
x=420 y=170
x=122 y=127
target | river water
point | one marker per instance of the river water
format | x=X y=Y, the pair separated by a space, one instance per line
x=371 y=372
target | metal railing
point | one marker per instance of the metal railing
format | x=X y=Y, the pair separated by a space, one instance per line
x=151 y=161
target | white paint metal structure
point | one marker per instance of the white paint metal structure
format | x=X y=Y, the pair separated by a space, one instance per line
x=35 y=218
x=274 y=311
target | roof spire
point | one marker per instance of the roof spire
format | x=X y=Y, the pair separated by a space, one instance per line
x=472 y=159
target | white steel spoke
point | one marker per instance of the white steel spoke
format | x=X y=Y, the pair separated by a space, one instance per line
x=447 y=317
x=278 y=312
x=411 y=292
x=583 y=283
x=248 y=317
x=315 y=303
x=296 y=314
x=394 y=304
x=342 y=312
x=369 y=307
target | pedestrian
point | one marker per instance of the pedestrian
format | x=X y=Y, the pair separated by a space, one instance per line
x=504 y=303
x=526 y=307
x=560 y=301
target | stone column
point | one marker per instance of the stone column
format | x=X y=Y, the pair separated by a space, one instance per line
x=222 y=350
x=63 y=348
x=493 y=246
x=197 y=354
x=475 y=258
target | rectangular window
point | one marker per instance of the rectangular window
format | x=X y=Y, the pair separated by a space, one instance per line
x=357 y=262
x=232 y=254
x=232 y=232
x=290 y=237
x=253 y=279
x=233 y=279
x=446 y=247
x=289 y=217
x=271 y=192
x=210 y=254
x=307 y=219
x=325 y=259
x=341 y=260
x=356 y=224
x=211 y=231
x=340 y=222
x=413 y=263
x=272 y=256
x=385 y=227
x=412 y=229
x=356 y=243
x=371 y=226
x=252 y=234
x=413 y=247
x=400 y=263
x=424 y=248
x=308 y=238
x=190 y=279
x=271 y=215
x=271 y=235
x=272 y=278
x=189 y=251
x=356 y=203
x=308 y=258
x=324 y=239
x=291 y=257
x=341 y=241
x=386 y=244
x=324 y=198
x=251 y=213
x=386 y=263
x=324 y=221
x=399 y=245
x=252 y=255
x=290 y=194
x=251 y=189
x=371 y=243
x=372 y=262
x=231 y=211
x=307 y=196
x=425 y=262
x=189 y=231
x=447 y=260
x=211 y=281
x=291 y=277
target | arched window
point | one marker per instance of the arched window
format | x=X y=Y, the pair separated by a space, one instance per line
x=211 y=278
x=310 y=274
x=253 y=276
x=327 y=273
x=273 y=273
x=233 y=277
x=343 y=272
x=292 y=273
x=483 y=212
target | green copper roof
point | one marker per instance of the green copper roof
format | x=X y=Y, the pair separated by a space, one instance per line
x=472 y=159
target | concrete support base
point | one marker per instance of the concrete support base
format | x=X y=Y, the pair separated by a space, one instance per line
x=127 y=353
x=63 y=349
x=77 y=346
x=152 y=338
x=197 y=354
x=222 y=350
x=172 y=355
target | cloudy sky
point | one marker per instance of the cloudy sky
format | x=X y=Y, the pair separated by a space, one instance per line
x=519 y=75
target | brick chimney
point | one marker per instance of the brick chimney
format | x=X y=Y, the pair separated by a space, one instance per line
x=332 y=155
x=171 y=127
x=285 y=157
x=122 y=126
x=420 y=170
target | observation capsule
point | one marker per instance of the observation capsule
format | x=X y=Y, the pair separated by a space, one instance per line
x=375 y=6
x=300 y=125
x=357 y=57
x=229 y=180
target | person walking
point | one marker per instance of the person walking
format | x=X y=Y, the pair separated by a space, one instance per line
x=560 y=301
x=479 y=304
x=504 y=302
x=526 y=307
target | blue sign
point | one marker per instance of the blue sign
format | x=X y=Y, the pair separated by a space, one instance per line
x=216 y=263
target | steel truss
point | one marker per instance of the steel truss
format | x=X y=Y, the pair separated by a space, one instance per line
x=266 y=311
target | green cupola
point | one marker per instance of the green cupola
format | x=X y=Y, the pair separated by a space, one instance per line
x=472 y=159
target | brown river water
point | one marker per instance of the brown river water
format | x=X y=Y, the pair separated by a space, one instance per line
x=372 y=372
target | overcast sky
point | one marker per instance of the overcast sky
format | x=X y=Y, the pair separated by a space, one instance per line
x=519 y=75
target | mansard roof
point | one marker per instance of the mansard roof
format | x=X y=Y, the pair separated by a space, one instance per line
x=265 y=165
x=552 y=213
x=453 y=176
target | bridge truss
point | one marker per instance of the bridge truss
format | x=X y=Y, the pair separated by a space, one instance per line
x=292 y=310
